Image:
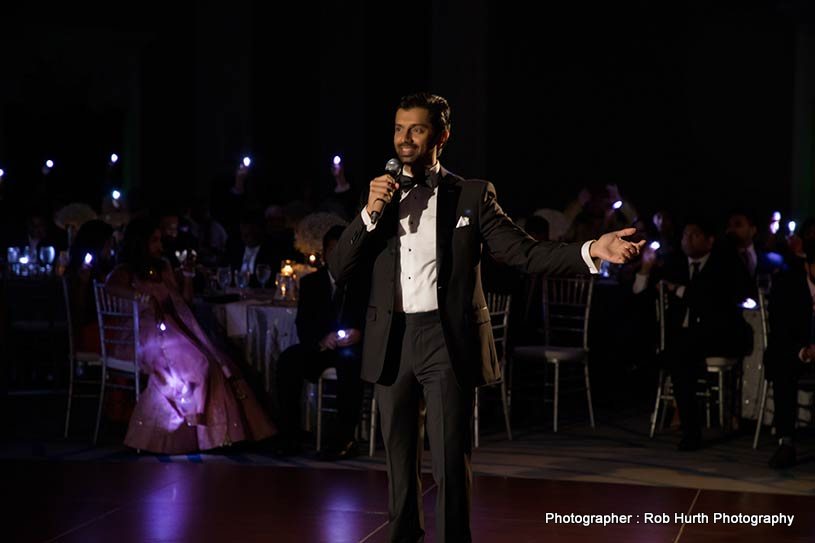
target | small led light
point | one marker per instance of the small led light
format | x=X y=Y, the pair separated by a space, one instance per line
x=116 y=194
x=749 y=303
x=337 y=160
x=49 y=163
x=342 y=334
x=88 y=259
x=114 y=158
x=247 y=161
x=655 y=245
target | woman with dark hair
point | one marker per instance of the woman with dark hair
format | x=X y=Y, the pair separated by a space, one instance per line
x=195 y=398
x=90 y=259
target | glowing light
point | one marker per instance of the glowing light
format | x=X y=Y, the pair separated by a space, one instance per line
x=337 y=160
x=162 y=326
x=247 y=161
x=774 y=226
x=791 y=226
x=116 y=194
x=49 y=164
x=776 y=215
x=312 y=259
x=88 y=259
x=617 y=205
x=749 y=303
x=342 y=334
x=23 y=260
x=655 y=245
x=114 y=158
x=2 y=172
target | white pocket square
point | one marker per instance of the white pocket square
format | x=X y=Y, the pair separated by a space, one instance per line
x=463 y=221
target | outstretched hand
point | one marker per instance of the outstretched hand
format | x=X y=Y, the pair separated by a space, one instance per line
x=613 y=248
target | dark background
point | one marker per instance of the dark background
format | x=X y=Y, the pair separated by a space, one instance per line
x=697 y=105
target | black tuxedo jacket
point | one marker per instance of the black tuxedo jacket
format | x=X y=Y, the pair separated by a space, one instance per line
x=790 y=314
x=465 y=319
x=714 y=300
x=319 y=311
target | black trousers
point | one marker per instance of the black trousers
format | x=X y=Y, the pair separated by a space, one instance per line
x=425 y=395
x=785 y=395
x=300 y=362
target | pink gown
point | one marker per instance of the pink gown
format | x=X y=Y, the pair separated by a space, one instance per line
x=195 y=397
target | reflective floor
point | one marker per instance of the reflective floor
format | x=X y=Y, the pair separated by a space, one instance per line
x=217 y=502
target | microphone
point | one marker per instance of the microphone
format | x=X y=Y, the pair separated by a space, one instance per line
x=393 y=167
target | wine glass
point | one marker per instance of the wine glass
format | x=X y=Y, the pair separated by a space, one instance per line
x=47 y=255
x=242 y=280
x=224 y=276
x=264 y=273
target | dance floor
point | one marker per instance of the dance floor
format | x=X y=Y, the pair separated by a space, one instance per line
x=141 y=502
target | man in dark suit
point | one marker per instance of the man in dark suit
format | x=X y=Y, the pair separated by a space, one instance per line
x=252 y=248
x=428 y=340
x=706 y=288
x=329 y=326
x=741 y=233
x=791 y=348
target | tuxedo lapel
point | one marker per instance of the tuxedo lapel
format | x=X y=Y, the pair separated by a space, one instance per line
x=448 y=195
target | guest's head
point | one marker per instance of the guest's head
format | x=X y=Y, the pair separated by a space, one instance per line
x=95 y=238
x=36 y=225
x=252 y=229
x=141 y=247
x=698 y=238
x=331 y=238
x=741 y=229
x=663 y=222
x=168 y=223
x=421 y=129
x=809 y=257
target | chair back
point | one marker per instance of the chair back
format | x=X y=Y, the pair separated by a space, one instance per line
x=66 y=294
x=566 y=310
x=499 y=305
x=118 y=327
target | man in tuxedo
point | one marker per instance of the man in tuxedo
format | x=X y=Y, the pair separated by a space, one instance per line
x=791 y=348
x=741 y=232
x=428 y=339
x=703 y=318
x=329 y=326
x=252 y=247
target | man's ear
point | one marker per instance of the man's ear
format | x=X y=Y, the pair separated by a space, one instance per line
x=441 y=140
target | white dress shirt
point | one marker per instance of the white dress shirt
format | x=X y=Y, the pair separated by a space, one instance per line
x=250 y=254
x=416 y=290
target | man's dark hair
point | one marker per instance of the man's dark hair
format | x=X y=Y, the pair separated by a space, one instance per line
x=436 y=105
x=747 y=214
x=333 y=234
x=704 y=224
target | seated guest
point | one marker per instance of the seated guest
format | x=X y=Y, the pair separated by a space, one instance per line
x=329 y=325
x=38 y=233
x=791 y=348
x=196 y=398
x=703 y=317
x=252 y=248
x=741 y=232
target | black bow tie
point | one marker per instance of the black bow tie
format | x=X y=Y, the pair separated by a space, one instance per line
x=431 y=181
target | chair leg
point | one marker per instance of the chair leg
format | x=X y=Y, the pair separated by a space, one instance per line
x=557 y=394
x=760 y=419
x=101 y=403
x=72 y=369
x=655 y=414
x=721 y=399
x=588 y=394
x=505 y=401
x=319 y=412
x=372 y=436
x=475 y=421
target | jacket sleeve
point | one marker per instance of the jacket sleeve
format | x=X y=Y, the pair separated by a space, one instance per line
x=509 y=244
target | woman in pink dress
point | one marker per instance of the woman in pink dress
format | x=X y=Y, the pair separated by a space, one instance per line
x=195 y=398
